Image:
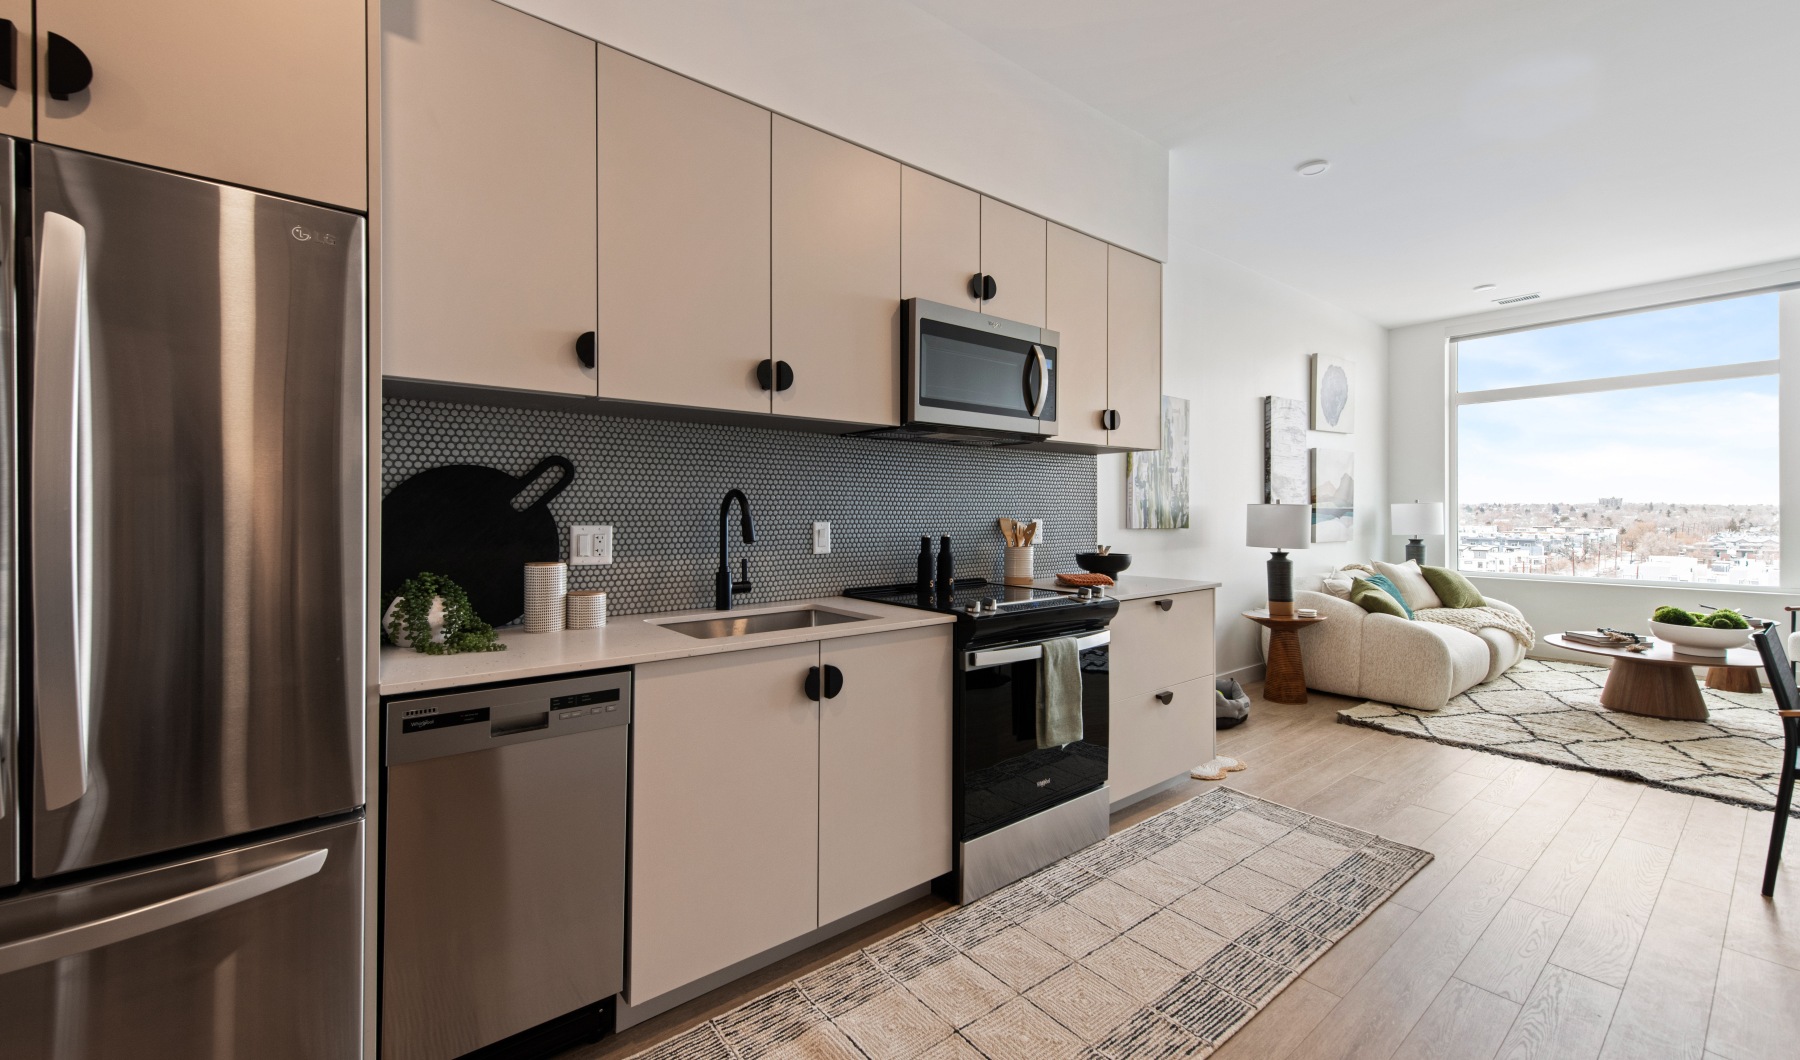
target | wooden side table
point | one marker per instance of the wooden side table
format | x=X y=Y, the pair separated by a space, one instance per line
x=1286 y=681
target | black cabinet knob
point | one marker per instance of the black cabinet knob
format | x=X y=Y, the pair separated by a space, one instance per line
x=1164 y=605
x=1109 y=419
x=834 y=682
x=66 y=67
x=813 y=691
x=975 y=286
x=775 y=375
x=9 y=47
x=584 y=349
x=1165 y=698
x=988 y=288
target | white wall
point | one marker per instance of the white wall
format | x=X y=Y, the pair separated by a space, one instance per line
x=1230 y=338
x=895 y=79
x=1418 y=465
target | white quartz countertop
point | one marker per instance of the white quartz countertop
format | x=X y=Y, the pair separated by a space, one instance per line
x=1137 y=587
x=627 y=641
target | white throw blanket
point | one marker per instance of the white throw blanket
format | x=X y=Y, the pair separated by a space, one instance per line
x=1476 y=619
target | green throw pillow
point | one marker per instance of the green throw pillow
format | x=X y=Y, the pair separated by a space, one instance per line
x=1372 y=598
x=1452 y=588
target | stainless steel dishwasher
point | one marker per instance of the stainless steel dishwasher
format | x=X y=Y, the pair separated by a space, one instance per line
x=503 y=887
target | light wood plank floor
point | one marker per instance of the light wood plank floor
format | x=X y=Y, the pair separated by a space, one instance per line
x=1566 y=915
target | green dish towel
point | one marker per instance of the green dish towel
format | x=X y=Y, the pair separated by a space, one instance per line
x=1059 y=694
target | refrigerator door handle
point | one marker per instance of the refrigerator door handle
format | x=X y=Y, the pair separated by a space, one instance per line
x=82 y=938
x=61 y=515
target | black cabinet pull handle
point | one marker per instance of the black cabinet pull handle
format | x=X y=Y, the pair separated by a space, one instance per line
x=9 y=47
x=812 y=684
x=1164 y=605
x=975 y=286
x=988 y=288
x=1109 y=420
x=1165 y=698
x=584 y=349
x=834 y=682
x=66 y=67
x=775 y=375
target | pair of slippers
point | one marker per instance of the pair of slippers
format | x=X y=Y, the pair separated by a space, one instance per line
x=1220 y=766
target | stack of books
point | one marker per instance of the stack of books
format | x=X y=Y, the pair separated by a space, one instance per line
x=1604 y=638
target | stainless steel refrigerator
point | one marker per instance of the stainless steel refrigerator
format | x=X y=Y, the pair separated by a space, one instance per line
x=181 y=668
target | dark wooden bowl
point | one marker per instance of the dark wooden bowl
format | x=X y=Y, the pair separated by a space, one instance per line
x=1111 y=564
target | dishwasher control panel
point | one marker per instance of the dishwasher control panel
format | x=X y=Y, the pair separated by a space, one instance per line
x=434 y=726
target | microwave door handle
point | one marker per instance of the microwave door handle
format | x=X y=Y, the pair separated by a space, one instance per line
x=1017 y=653
x=84 y=938
x=1043 y=387
x=61 y=516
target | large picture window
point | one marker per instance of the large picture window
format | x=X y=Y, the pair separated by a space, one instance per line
x=1637 y=447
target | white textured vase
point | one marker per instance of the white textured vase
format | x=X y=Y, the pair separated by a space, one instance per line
x=434 y=618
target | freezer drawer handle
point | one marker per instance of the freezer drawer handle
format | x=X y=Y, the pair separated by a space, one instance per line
x=61 y=515
x=95 y=934
x=981 y=660
x=66 y=67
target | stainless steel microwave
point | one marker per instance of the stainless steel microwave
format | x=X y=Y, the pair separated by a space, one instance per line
x=970 y=373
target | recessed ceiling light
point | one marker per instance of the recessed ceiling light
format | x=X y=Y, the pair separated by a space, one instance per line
x=1312 y=168
x=1486 y=286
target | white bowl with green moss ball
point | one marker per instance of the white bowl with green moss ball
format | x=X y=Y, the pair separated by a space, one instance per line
x=1705 y=641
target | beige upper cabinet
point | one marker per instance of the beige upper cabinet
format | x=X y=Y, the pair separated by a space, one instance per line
x=488 y=197
x=724 y=812
x=884 y=768
x=268 y=95
x=1075 y=308
x=835 y=283
x=16 y=111
x=940 y=239
x=1134 y=349
x=684 y=240
x=1012 y=253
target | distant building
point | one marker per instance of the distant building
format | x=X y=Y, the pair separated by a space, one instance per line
x=1612 y=503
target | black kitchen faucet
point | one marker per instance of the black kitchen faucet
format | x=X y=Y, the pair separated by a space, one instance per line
x=723 y=585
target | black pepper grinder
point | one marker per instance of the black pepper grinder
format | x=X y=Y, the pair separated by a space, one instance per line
x=946 y=569
x=926 y=566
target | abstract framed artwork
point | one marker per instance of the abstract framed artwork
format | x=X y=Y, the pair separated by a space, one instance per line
x=1333 y=495
x=1156 y=484
x=1284 y=451
x=1333 y=394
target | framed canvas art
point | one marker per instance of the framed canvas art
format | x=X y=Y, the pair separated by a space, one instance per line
x=1333 y=394
x=1284 y=451
x=1156 y=484
x=1334 y=495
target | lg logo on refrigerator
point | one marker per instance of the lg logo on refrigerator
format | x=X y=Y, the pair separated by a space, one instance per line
x=306 y=235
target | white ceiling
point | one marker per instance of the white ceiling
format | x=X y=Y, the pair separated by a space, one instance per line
x=1559 y=146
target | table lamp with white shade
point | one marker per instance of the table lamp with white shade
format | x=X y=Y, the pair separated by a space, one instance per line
x=1417 y=520
x=1279 y=527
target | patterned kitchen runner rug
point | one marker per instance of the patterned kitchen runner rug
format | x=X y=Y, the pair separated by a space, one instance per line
x=1549 y=711
x=1158 y=942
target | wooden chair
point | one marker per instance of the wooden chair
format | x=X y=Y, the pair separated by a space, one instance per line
x=1787 y=703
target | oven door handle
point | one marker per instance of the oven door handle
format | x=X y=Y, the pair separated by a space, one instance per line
x=981 y=660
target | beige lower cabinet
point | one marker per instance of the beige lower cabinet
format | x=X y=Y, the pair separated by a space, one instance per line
x=884 y=769
x=758 y=814
x=1134 y=349
x=724 y=813
x=1161 y=647
x=835 y=277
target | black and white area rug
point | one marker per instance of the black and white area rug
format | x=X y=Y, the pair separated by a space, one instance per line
x=1159 y=942
x=1549 y=711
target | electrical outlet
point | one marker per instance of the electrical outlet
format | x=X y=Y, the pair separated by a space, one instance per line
x=590 y=545
x=1037 y=538
x=821 y=538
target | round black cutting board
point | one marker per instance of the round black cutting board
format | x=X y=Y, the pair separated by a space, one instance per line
x=459 y=521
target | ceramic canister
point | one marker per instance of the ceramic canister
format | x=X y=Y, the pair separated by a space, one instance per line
x=1020 y=562
x=546 y=587
x=587 y=609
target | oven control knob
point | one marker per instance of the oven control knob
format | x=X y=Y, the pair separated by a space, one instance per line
x=974 y=608
x=991 y=605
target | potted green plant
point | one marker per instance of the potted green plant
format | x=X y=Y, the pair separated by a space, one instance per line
x=431 y=614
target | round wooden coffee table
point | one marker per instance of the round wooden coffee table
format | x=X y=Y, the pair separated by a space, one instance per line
x=1658 y=683
x=1286 y=680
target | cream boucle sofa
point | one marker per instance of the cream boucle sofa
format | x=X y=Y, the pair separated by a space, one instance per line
x=1396 y=660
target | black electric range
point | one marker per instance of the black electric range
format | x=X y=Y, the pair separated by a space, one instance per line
x=1019 y=806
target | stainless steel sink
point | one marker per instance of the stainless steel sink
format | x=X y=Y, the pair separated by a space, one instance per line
x=764 y=622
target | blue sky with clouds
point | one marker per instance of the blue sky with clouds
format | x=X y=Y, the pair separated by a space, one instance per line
x=1713 y=442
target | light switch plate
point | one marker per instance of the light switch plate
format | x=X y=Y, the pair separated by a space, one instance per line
x=590 y=545
x=821 y=538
